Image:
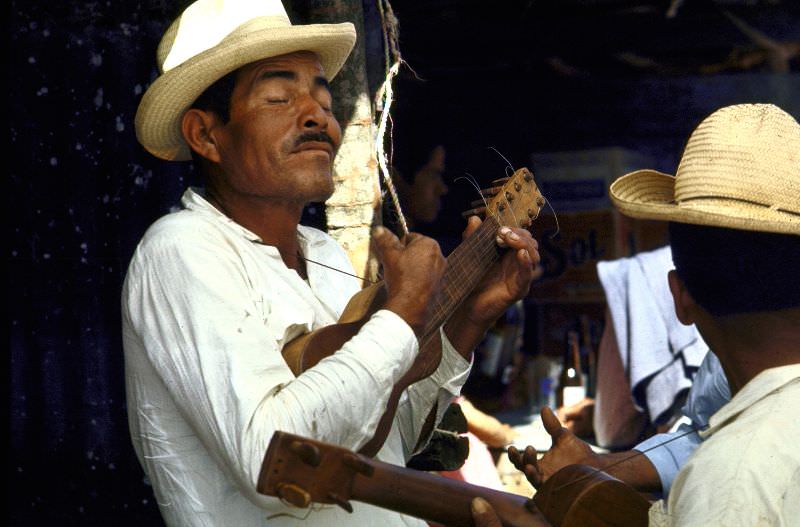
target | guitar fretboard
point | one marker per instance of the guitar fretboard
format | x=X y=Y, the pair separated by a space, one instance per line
x=466 y=266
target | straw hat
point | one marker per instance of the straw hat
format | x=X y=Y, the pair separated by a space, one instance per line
x=740 y=169
x=210 y=39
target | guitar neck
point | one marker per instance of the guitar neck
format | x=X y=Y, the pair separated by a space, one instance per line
x=302 y=471
x=466 y=266
x=432 y=497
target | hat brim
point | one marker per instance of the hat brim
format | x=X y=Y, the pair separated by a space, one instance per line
x=649 y=195
x=158 y=118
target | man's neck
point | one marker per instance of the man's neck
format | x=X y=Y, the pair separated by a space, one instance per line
x=274 y=222
x=750 y=343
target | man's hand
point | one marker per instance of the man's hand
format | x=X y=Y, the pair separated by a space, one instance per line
x=485 y=516
x=508 y=281
x=567 y=449
x=412 y=271
x=630 y=466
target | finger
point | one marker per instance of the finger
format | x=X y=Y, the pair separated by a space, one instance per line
x=385 y=241
x=530 y=455
x=534 y=475
x=473 y=222
x=506 y=235
x=483 y=514
x=530 y=466
x=551 y=423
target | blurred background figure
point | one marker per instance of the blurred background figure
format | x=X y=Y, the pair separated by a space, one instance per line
x=420 y=185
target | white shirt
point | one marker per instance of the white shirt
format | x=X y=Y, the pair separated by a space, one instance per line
x=747 y=471
x=206 y=311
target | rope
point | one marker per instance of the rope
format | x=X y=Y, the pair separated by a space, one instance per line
x=384 y=98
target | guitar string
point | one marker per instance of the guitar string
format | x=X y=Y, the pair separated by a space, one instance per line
x=332 y=268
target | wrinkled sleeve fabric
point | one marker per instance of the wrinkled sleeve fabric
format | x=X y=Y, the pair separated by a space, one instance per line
x=207 y=336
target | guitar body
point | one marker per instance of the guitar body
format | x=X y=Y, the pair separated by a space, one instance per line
x=580 y=496
x=307 y=350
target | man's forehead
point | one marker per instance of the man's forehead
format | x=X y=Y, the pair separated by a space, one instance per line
x=289 y=62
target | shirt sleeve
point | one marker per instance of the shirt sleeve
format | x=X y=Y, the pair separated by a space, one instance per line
x=202 y=331
x=440 y=388
x=669 y=452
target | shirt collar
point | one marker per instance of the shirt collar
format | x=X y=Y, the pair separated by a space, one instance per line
x=194 y=199
x=759 y=387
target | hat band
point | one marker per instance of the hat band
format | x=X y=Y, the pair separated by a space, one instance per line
x=775 y=207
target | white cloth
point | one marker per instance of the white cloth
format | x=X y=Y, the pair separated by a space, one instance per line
x=659 y=354
x=747 y=471
x=206 y=311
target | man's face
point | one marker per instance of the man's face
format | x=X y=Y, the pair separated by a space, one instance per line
x=282 y=136
x=429 y=187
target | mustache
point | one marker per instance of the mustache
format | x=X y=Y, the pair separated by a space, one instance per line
x=317 y=137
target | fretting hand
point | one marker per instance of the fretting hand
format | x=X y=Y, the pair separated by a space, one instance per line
x=567 y=449
x=510 y=277
x=508 y=281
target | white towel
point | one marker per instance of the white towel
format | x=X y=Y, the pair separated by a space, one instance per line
x=660 y=354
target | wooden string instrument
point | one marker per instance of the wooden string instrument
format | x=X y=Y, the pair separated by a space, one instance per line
x=516 y=203
x=302 y=471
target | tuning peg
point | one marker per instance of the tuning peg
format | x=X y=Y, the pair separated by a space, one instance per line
x=477 y=203
x=306 y=452
x=480 y=211
x=293 y=494
x=500 y=182
x=341 y=502
x=490 y=191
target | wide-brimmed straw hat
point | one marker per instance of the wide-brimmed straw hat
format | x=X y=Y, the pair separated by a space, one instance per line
x=740 y=169
x=210 y=39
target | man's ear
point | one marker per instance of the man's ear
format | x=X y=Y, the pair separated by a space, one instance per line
x=684 y=303
x=197 y=126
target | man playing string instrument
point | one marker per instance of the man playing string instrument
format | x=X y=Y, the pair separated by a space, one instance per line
x=216 y=290
x=734 y=213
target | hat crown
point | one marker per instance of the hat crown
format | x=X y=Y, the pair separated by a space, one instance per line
x=747 y=152
x=205 y=23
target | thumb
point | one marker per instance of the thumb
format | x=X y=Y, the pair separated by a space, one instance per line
x=385 y=242
x=551 y=423
x=483 y=514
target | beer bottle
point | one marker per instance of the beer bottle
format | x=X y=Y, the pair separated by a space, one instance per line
x=571 y=388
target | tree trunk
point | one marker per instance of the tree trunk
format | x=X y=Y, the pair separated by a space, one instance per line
x=355 y=205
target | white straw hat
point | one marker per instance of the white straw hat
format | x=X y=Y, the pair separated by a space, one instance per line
x=740 y=169
x=210 y=39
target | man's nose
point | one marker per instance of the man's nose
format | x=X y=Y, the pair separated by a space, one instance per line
x=312 y=115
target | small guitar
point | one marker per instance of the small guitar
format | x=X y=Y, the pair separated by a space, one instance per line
x=302 y=471
x=516 y=203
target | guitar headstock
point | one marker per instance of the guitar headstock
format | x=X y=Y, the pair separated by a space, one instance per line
x=303 y=471
x=514 y=202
